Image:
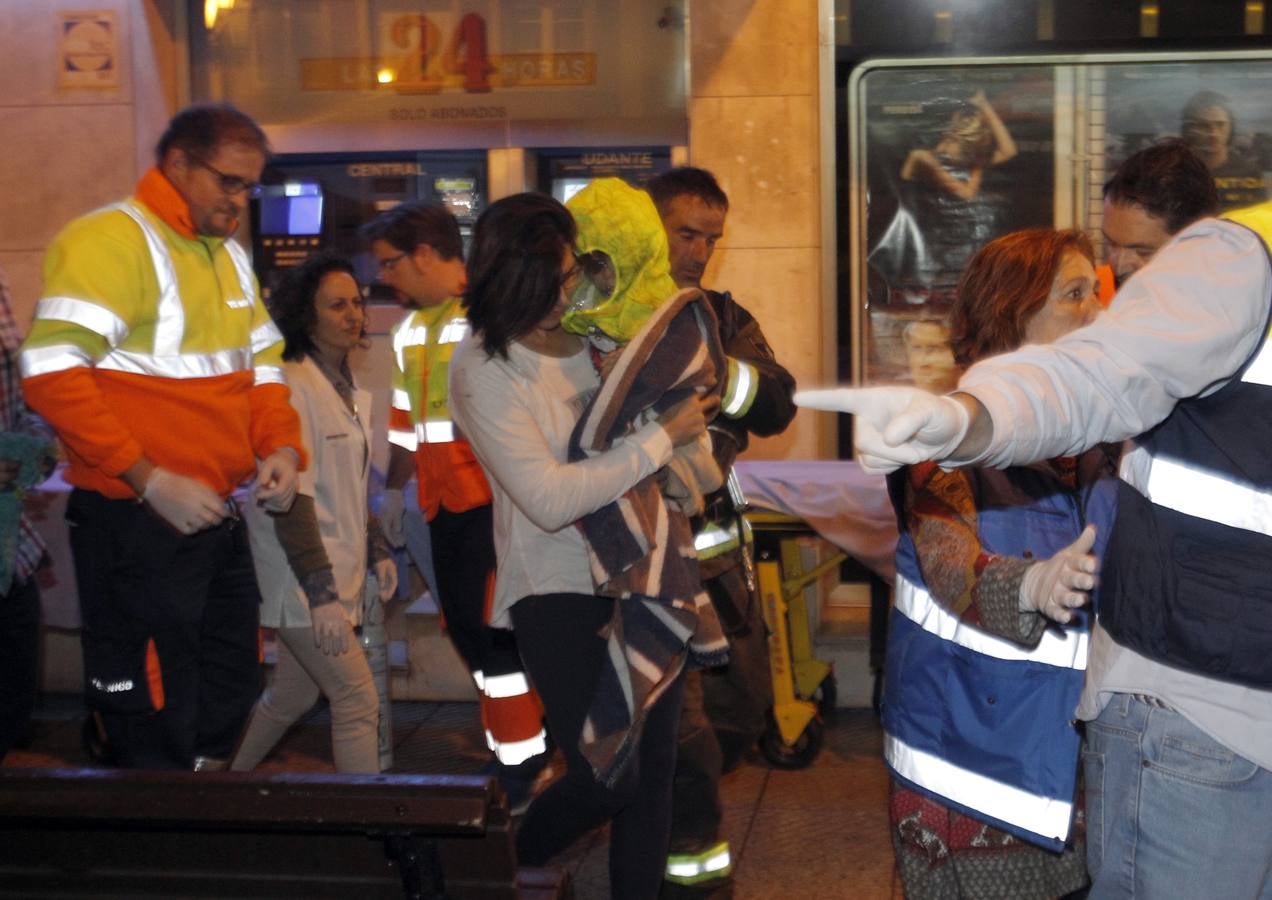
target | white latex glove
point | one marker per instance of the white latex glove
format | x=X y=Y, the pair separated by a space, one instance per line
x=184 y=503
x=331 y=628
x=895 y=426
x=386 y=577
x=1057 y=585
x=392 y=506
x=277 y=479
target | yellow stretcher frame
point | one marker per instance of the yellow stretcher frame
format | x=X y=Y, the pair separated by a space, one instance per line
x=795 y=734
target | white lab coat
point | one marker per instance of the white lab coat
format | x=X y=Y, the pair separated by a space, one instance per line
x=339 y=447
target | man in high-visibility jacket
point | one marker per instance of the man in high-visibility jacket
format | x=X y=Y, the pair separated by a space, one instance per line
x=420 y=255
x=723 y=711
x=153 y=358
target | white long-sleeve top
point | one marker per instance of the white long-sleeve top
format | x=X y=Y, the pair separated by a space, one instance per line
x=1181 y=327
x=518 y=415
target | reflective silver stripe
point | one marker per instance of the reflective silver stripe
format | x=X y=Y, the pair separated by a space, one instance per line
x=1260 y=371
x=499 y=687
x=170 y=315
x=247 y=280
x=408 y=336
x=265 y=336
x=55 y=358
x=86 y=314
x=440 y=431
x=454 y=331
x=269 y=375
x=690 y=868
x=511 y=753
x=404 y=439
x=1205 y=495
x=1064 y=648
x=167 y=360
x=1042 y=815
x=186 y=365
x=715 y=539
x=743 y=385
x=401 y=400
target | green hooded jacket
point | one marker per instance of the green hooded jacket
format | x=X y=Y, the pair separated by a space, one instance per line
x=622 y=222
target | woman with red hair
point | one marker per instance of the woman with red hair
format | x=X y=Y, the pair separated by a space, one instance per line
x=987 y=642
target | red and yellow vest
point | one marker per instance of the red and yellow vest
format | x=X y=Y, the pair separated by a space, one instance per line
x=447 y=472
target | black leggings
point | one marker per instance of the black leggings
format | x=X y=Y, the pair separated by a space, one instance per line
x=559 y=638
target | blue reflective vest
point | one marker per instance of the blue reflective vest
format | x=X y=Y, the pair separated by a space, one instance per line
x=981 y=723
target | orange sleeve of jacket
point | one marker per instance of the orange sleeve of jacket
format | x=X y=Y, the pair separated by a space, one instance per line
x=275 y=423
x=71 y=402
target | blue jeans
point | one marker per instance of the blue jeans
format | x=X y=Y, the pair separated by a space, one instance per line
x=1170 y=811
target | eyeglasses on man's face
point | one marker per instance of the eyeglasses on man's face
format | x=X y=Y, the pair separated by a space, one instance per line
x=229 y=184
x=389 y=263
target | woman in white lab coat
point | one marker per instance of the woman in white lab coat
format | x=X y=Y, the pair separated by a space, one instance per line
x=312 y=561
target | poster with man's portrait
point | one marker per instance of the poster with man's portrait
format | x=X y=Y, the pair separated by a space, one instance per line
x=954 y=157
x=1220 y=108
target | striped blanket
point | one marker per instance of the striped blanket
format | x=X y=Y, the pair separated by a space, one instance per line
x=641 y=546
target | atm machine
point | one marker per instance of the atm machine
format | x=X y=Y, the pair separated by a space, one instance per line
x=320 y=200
x=563 y=171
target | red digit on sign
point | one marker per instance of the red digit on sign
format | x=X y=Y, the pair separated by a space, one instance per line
x=471 y=35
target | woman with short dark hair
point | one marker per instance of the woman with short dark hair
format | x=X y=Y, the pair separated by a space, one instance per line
x=519 y=384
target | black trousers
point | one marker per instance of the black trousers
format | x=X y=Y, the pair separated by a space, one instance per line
x=560 y=641
x=463 y=562
x=19 y=653
x=723 y=715
x=170 y=631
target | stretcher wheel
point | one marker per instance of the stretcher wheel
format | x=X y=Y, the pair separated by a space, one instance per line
x=792 y=756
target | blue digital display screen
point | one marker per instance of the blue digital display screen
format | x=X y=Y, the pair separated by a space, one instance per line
x=292 y=209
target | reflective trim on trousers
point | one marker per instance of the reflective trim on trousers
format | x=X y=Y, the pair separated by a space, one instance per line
x=512 y=753
x=695 y=868
x=404 y=439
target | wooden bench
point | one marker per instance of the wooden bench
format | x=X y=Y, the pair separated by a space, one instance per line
x=114 y=833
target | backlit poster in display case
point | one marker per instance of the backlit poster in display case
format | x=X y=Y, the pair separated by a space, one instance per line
x=947 y=151
x=1221 y=110
x=946 y=154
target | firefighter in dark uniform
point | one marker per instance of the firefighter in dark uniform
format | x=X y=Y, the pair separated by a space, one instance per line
x=724 y=709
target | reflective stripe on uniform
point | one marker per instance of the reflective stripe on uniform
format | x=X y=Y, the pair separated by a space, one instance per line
x=1042 y=815
x=513 y=753
x=166 y=358
x=401 y=400
x=404 y=439
x=409 y=336
x=1198 y=493
x=53 y=358
x=1064 y=648
x=497 y=687
x=438 y=431
x=694 y=868
x=715 y=539
x=269 y=375
x=86 y=314
x=181 y=365
x=454 y=331
x=740 y=389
